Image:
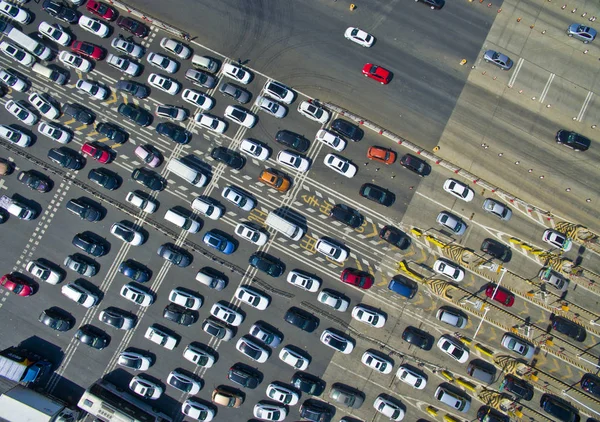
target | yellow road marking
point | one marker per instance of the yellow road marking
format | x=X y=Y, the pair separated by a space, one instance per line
x=68 y=122
x=81 y=127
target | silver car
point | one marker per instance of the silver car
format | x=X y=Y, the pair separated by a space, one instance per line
x=582 y=32
x=497 y=208
x=453 y=223
x=499 y=59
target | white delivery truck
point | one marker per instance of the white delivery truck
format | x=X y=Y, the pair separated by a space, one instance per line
x=34 y=47
x=16 y=208
x=285 y=227
x=21 y=404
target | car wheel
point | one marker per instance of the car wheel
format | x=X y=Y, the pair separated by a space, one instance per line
x=586 y=42
x=366 y=76
x=432 y=8
x=382 y=83
x=570 y=35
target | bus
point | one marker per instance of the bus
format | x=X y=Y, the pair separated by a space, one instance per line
x=110 y=404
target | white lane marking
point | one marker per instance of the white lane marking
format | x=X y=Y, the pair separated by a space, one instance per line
x=547 y=87
x=585 y=105
x=516 y=70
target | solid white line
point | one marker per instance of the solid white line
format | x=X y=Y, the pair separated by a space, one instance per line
x=585 y=105
x=516 y=70
x=547 y=87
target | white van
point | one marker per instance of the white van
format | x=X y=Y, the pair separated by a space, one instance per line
x=78 y=294
x=181 y=221
x=46 y=72
x=187 y=173
x=205 y=63
x=291 y=230
x=36 y=48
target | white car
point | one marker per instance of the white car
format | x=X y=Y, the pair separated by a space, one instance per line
x=459 y=189
x=74 y=61
x=145 y=388
x=340 y=165
x=158 y=336
x=237 y=73
x=21 y=113
x=12 y=80
x=388 y=408
x=252 y=350
x=333 y=299
x=518 y=345
x=303 y=281
x=368 y=316
x=208 y=208
x=128 y=47
x=14 y=136
x=162 y=62
x=15 y=12
x=249 y=233
x=171 y=112
x=17 y=54
x=44 y=272
x=55 y=32
x=279 y=91
x=226 y=314
x=95 y=26
x=240 y=116
x=185 y=299
x=252 y=297
x=292 y=160
x=127 y=234
x=449 y=269
x=175 y=47
x=196 y=410
x=269 y=412
x=45 y=107
x=136 y=295
x=209 y=122
x=377 y=362
x=313 y=112
x=336 y=342
x=255 y=149
x=199 y=356
x=168 y=85
x=331 y=140
x=331 y=250
x=410 y=377
x=133 y=360
x=54 y=132
x=294 y=359
x=124 y=65
x=359 y=36
x=198 y=99
x=184 y=382
x=265 y=334
x=453 y=348
x=93 y=89
x=271 y=107
x=282 y=394
x=143 y=204
x=238 y=198
x=497 y=208
x=557 y=239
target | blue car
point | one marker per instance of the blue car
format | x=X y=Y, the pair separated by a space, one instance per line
x=219 y=242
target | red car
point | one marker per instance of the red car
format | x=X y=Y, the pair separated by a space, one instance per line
x=96 y=152
x=133 y=26
x=101 y=9
x=88 y=49
x=378 y=73
x=360 y=279
x=502 y=295
x=16 y=285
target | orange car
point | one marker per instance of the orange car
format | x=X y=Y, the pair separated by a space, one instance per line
x=383 y=155
x=275 y=179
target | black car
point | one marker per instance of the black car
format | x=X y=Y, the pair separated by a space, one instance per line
x=117 y=318
x=308 y=383
x=568 y=328
x=348 y=216
x=135 y=271
x=83 y=210
x=590 y=383
x=34 y=180
x=66 y=158
x=415 y=164
x=180 y=315
x=104 y=177
x=148 y=178
x=417 y=337
x=237 y=93
x=496 y=249
x=301 y=319
x=57 y=320
x=80 y=113
x=395 y=237
x=174 y=132
x=487 y=414
x=347 y=129
x=315 y=411
x=292 y=140
x=92 y=337
x=516 y=386
x=131 y=25
x=243 y=375
x=175 y=255
x=377 y=194
x=90 y=243
x=433 y=4
x=133 y=88
x=60 y=11
x=266 y=264
x=136 y=114
x=572 y=140
x=231 y=158
x=559 y=408
x=112 y=132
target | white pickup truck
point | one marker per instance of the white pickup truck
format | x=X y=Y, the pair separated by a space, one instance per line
x=16 y=208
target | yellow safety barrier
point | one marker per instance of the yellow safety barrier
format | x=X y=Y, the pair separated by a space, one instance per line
x=464 y=383
x=465 y=340
x=483 y=350
x=537 y=252
x=449 y=418
x=518 y=413
x=447 y=375
x=352 y=6
x=416 y=232
x=549 y=342
x=514 y=240
x=533 y=377
x=402 y=266
x=432 y=410
x=526 y=247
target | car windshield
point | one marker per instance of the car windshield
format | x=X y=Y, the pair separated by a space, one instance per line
x=334 y=342
x=213 y=330
x=250 y=351
x=124 y=233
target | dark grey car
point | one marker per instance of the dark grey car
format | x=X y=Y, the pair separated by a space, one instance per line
x=80 y=113
x=66 y=158
x=237 y=93
x=133 y=88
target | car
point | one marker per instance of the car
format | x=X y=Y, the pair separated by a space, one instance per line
x=168 y=85
x=35 y=181
x=81 y=265
x=127 y=234
x=74 y=61
x=569 y=139
x=16 y=285
x=80 y=113
x=135 y=113
x=340 y=165
x=160 y=337
x=331 y=140
x=60 y=11
x=418 y=338
x=173 y=132
x=176 y=47
x=88 y=49
x=282 y=394
x=395 y=237
x=499 y=59
x=452 y=317
x=449 y=269
x=554 y=279
x=14 y=12
x=199 y=355
x=349 y=216
x=292 y=140
x=128 y=47
x=217 y=330
x=237 y=73
x=174 y=255
x=237 y=93
x=381 y=154
x=347 y=129
x=162 y=62
x=171 y=112
x=255 y=149
x=93 y=337
x=293 y=358
x=388 y=409
x=54 y=132
x=208 y=207
x=142 y=202
x=112 y=132
x=459 y=190
x=275 y=179
x=293 y=161
x=333 y=299
x=18 y=110
x=105 y=178
x=11 y=79
x=79 y=294
x=315 y=411
x=557 y=239
x=411 y=377
x=54 y=32
x=179 y=315
x=149 y=155
x=560 y=409
x=93 y=89
x=346 y=396
x=266 y=411
x=582 y=32
x=451 y=222
x=377 y=73
x=219 y=242
x=101 y=9
x=497 y=208
x=17 y=54
x=377 y=194
x=229 y=157
x=243 y=375
x=252 y=297
x=252 y=350
x=590 y=383
x=433 y=4
x=132 y=26
x=134 y=360
x=265 y=334
x=240 y=115
x=124 y=65
x=238 y=197
x=56 y=319
x=209 y=122
x=185 y=299
x=226 y=314
x=500 y=294
x=135 y=271
x=279 y=92
x=183 y=382
x=225 y=397
x=519 y=388
x=308 y=383
x=496 y=249
x=303 y=281
x=270 y=107
x=518 y=345
x=137 y=90
x=44 y=272
x=90 y=243
x=567 y=327
x=377 y=362
x=313 y=112
x=301 y=319
x=136 y=295
x=117 y=318
x=97 y=151
x=95 y=26
x=359 y=36
x=453 y=348
x=197 y=410
x=369 y=316
x=145 y=388
x=14 y=136
x=361 y=279
x=83 y=209
x=249 y=233
x=266 y=264
x=198 y=99
x=337 y=342
x=331 y=250
x=415 y=164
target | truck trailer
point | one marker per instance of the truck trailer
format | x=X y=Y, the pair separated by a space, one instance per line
x=21 y=404
x=20 y=365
